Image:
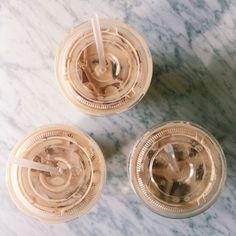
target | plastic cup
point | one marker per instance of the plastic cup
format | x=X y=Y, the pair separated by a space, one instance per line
x=125 y=78
x=179 y=183
x=58 y=196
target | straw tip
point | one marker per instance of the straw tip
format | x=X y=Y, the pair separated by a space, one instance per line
x=168 y=148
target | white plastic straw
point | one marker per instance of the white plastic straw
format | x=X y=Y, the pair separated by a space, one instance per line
x=98 y=40
x=35 y=165
x=171 y=157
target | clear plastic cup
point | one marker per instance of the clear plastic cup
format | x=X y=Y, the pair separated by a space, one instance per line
x=123 y=82
x=178 y=169
x=66 y=194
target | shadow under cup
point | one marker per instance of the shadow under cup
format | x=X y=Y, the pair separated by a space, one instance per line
x=178 y=169
x=125 y=78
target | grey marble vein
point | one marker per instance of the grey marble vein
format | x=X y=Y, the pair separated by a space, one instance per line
x=193 y=43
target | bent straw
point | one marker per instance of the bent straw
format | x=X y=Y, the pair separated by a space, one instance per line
x=35 y=165
x=98 y=40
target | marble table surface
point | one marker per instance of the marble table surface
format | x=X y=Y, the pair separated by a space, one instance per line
x=193 y=43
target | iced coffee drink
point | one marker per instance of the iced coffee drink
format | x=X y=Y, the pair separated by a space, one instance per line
x=120 y=83
x=178 y=169
x=56 y=174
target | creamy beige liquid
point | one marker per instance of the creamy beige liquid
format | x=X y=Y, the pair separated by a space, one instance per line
x=186 y=185
x=117 y=87
x=63 y=195
x=186 y=189
x=116 y=78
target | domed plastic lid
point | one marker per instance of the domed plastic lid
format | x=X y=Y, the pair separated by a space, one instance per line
x=177 y=169
x=125 y=78
x=64 y=194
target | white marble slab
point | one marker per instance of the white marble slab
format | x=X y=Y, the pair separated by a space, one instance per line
x=193 y=43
